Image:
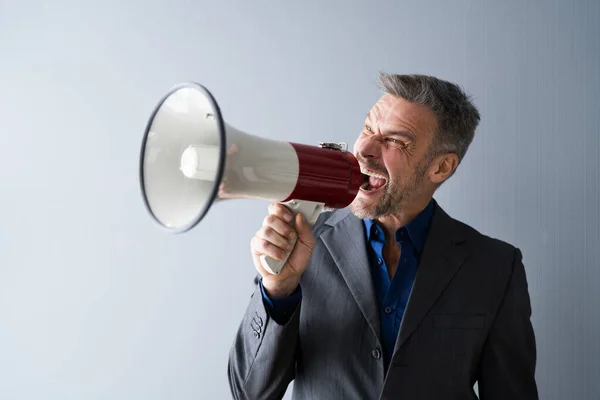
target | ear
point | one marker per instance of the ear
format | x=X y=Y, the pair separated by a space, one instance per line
x=442 y=167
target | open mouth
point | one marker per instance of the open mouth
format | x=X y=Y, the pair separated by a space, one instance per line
x=373 y=181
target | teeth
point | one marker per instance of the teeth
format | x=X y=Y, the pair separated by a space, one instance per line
x=370 y=173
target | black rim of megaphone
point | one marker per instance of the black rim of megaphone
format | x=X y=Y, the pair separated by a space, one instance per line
x=220 y=168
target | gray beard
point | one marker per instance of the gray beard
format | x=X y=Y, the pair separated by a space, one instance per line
x=395 y=196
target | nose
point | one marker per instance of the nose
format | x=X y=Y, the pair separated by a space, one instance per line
x=369 y=147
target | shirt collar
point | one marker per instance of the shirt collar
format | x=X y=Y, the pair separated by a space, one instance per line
x=417 y=228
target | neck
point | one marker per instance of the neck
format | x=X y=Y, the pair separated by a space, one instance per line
x=392 y=222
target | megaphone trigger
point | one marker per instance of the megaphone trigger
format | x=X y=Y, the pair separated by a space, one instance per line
x=311 y=211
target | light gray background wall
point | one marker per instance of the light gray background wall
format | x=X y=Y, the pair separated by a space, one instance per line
x=96 y=302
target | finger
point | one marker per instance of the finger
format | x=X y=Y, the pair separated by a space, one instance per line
x=280 y=226
x=261 y=246
x=304 y=229
x=281 y=211
x=270 y=235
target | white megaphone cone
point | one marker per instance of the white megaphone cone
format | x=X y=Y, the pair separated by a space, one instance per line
x=191 y=158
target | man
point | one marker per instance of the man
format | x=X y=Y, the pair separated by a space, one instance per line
x=390 y=298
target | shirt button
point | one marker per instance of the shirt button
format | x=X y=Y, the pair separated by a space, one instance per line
x=388 y=310
x=379 y=261
x=376 y=354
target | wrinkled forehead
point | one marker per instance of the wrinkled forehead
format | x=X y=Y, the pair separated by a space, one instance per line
x=392 y=112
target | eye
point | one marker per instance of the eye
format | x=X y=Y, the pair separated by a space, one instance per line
x=397 y=143
x=368 y=128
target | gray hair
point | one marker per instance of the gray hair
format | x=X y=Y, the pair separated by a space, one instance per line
x=457 y=116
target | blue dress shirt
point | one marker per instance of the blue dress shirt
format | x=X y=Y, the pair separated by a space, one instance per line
x=392 y=294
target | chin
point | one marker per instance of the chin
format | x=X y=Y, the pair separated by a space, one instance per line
x=362 y=208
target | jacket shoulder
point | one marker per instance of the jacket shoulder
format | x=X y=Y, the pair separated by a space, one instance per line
x=488 y=246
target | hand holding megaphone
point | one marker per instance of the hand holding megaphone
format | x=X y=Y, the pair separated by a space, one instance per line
x=284 y=243
x=191 y=158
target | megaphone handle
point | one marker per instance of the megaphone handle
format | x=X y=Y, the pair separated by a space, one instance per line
x=311 y=211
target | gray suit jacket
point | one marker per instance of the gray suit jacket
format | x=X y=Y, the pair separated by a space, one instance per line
x=467 y=320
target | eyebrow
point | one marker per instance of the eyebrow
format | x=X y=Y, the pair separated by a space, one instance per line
x=405 y=134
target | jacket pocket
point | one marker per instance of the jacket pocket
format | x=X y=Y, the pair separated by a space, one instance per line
x=459 y=321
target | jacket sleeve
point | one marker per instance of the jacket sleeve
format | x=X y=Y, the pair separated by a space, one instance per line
x=262 y=358
x=508 y=361
x=280 y=309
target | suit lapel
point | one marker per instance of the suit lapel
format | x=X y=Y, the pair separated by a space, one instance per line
x=443 y=254
x=348 y=248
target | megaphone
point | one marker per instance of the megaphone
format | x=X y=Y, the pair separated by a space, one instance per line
x=190 y=159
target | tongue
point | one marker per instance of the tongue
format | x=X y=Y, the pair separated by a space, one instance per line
x=376 y=183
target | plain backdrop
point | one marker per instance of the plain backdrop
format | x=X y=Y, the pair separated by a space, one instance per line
x=97 y=302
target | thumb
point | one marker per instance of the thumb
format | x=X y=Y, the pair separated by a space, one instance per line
x=305 y=235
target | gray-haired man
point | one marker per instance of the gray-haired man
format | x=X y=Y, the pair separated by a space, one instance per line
x=391 y=298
